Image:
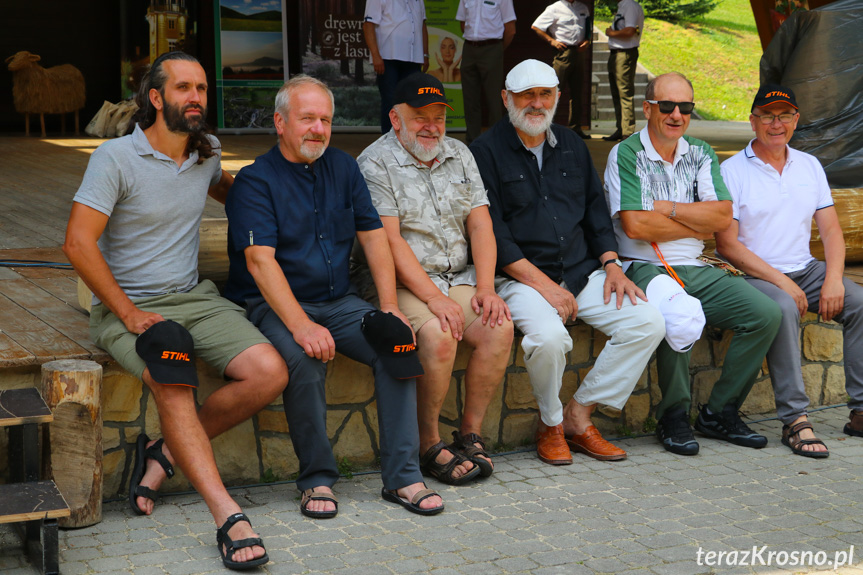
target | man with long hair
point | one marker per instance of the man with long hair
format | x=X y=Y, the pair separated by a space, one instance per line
x=133 y=238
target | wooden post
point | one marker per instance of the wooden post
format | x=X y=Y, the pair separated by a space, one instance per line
x=73 y=454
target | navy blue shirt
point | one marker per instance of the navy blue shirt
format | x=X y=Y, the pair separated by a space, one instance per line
x=309 y=213
x=556 y=218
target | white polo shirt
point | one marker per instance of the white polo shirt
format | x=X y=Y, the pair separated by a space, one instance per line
x=564 y=21
x=629 y=14
x=398 y=28
x=484 y=19
x=774 y=211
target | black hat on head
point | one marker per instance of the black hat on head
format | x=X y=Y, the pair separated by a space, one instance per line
x=169 y=352
x=420 y=90
x=394 y=344
x=771 y=94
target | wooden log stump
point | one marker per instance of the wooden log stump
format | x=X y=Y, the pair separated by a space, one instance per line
x=73 y=447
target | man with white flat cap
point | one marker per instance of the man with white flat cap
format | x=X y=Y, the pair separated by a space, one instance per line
x=558 y=258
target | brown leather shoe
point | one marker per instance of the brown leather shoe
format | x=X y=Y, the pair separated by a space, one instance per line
x=591 y=443
x=855 y=424
x=551 y=446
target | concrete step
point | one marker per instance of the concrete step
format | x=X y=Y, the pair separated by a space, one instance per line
x=603 y=89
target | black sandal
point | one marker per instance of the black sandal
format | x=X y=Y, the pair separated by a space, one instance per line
x=443 y=471
x=142 y=454
x=231 y=546
x=791 y=438
x=311 y=495
x=465 y=444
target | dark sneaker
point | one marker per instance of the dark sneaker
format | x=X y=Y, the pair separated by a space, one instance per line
x=675 y=434
x=727 y=425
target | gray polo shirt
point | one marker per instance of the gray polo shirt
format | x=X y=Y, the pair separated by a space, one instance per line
x=154 y=210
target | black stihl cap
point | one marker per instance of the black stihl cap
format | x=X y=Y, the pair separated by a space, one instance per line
x=420 y=90
x=169 y=352
x=393 y=341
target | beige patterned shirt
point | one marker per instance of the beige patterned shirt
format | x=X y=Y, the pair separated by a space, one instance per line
x=432 y=204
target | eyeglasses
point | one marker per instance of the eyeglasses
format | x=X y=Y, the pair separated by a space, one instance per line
x=767 y=119
x=667 y=106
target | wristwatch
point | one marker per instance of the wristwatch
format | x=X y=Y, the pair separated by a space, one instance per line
x=613 y=261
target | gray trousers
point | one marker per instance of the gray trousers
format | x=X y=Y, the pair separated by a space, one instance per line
x=481 y=82
x=622 y=65
x=306 y=403
x=783 y=358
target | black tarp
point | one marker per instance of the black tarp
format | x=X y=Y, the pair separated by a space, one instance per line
x=819 y=55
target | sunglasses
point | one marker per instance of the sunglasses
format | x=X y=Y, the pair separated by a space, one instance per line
x=667 y=106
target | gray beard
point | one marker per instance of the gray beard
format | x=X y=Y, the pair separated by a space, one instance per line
x=422 y=153
x=518 y=118
x=310 y=153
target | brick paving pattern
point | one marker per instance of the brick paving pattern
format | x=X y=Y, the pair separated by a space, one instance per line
x=649 y=514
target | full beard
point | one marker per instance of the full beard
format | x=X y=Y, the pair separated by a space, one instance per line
x=177 y=120
x=524 y=119
x=420 y=152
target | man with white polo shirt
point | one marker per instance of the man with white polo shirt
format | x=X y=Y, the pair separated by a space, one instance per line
x=488 y=27
x=396 y=35
x=777 y=190
x=566 y=26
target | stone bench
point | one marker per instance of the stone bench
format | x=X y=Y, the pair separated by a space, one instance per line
x=261 y=449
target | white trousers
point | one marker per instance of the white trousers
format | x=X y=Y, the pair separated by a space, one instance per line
x=635 y=331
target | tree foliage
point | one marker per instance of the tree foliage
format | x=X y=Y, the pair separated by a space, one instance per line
x=671 y=10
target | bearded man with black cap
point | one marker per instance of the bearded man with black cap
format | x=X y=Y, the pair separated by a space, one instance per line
x=434 y=208
x=777 y=190
x=293 y=216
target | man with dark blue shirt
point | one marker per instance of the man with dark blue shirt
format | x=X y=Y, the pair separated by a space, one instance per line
x=293 y=216
x=557 y=250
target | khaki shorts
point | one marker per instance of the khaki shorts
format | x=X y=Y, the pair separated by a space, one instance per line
x=418 y=312
x=219 y=327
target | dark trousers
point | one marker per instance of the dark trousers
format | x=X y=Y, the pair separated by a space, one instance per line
x=481 y=83
x=306 y=403
x=569 y=67
x=394 y=70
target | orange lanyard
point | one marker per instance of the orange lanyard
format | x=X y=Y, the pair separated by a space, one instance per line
x=668 y=268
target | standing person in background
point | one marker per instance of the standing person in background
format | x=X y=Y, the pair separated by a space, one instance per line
x=624 y=37
x=488 y=27
x=566 y=26
x=396 y=34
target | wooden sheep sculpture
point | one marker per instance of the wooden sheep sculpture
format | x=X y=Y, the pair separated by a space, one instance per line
x=38 y=90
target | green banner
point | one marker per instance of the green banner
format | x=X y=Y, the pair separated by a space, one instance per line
x=445 y=50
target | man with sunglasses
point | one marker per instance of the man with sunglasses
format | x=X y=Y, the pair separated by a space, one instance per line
x=777 y=190
x=666 y=196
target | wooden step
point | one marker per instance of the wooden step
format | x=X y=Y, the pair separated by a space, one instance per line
x=22 y=407
x=31 y=501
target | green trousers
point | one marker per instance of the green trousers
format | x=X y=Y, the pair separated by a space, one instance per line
x=728 y=302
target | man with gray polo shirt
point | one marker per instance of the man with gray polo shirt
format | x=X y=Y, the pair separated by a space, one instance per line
x=777 y=191
x=133 y=238
x=624 y=37
x=566 y=26
x=488 y=27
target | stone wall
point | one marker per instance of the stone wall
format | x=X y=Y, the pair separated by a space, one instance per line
x=261 y=447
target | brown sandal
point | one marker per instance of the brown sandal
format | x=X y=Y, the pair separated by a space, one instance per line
x=443 y=471
x=310 y=495
x=466 y=445
x=791 y=438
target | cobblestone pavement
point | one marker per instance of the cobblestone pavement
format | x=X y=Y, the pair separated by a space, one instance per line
x=650 y=514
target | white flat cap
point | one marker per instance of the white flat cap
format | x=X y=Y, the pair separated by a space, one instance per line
x=531 y=74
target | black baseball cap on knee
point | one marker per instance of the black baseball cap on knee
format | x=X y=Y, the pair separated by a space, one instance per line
x=169 y=352
x=393 y=341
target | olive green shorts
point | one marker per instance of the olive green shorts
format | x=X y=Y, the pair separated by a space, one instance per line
x=219 y=327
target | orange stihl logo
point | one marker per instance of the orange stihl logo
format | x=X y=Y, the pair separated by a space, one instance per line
x=429 y=91
x=775 y=94
x=175 y=355
x=404 y=348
